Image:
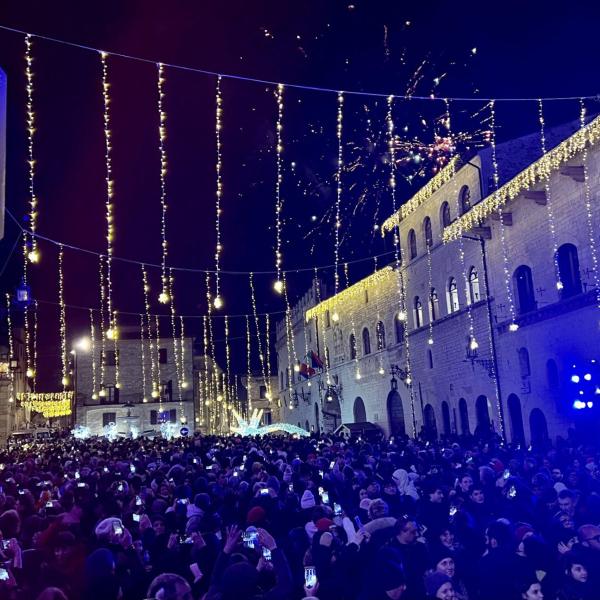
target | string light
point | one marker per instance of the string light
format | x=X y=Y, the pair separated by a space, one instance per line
x=175 y=342
x=219 y=193
x=115 y=341
x=34 y=254
x=93 y=351
x=158 y=388
x=227 y=353
x=379 y=332
x=249 y=364
x=63 y=322
x=352 y=329
x=163 y=297
x=538 y=171
x=548 y=192
x=35 y=340
x=338 y=198
x=325 y=350
x=592 y=230
x=268 y=396
x=111 y=332
x=184 y=383
x=207 y=394
x=288 y=311
x=29 y=370
x=11 y=374
x=507 y=283
x=153 y=369
x=278 y=285
x=102 y=391
x=257 y=323
x=430 y=287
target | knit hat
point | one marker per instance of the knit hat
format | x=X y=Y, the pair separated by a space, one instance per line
x=390 y=576
x=378 y=508
x=255 y=515
x=324 y=524
x=106 y=527
x=521 y=532
x=438 y=552
x=434 y=581
x=307 y=500
x=497 y=465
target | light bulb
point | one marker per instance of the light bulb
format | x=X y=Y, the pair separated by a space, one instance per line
x=278 y=286
x=101 y=393
x=11 y=399
x=145 y=400
x=65 y=381
x=309 y=384
x=513 y=327
x=29 y=373
x=34 y=256
x=473 y=344
x=111 y=334
x=219 y=398
x=559 y=285
x=297 y=368
x=268 y=396
x=218 y=302
x=94 y=396
x=402 y=315
x=118 y=385
x=184 y=384
x=430 y=341
x=358 y=375
x=335 y=317
x=164 y=298
x=154 y=394
x=381 y=371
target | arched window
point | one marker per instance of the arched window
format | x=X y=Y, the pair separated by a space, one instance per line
x=445 y=218
x=568 y=269
x=446 y=418
x=360 y=413
x=418 y=312
x=429 y=421
x=427 y=233
x=352 y=346
x=465 y=199
x=552 y=374
x=434 y=305
x=399 y=329
x=483 y=415
x=524 y=290
x=463 y=411
x=430 y=358
x=524 y=366
x=452 y=296
x=412 y=244
x=366 y=341
x=474 y=293
x=380 y=329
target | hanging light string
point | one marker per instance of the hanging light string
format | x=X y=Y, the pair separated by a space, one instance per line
x=218 y=404
x=143 y=356
x=261 y=355
x=352 y=329
x=338 y=197
x=153 y=369
x=592 y=230
x=288 y=311
x=311 y=88
x=111 y=332
x=408 y=379
x=158 y=373
x=473 y=344
x=290 y=367
x=325 y=347
x=430 y=294
x=29 y=370
x=227 y=356
x=513 y=326
x=115 y=341
x=278 y=201
x=184 y=383
x=171 y=293
x=163 y=297
x=207 y=396
x=249 y=366
x=379 y=333
x=548 y=192
x=218 y=194
x=102 y=391
x=305 y=329
x=11 y=352
x=35 y=341
x=269 y=395
x=63 y=321
x=93 y=352
x=33 y=255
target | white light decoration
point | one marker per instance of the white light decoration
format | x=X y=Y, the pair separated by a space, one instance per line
x=252 y=426
x=261 y=355
x=219 y=193
x=169 y=431
x=184 y=383
x=35 y=339
x=171 y=283
x=156 y=393
x=163 y=297
x=227 y=351
x=268 y=353
x=338 y=197
x=549 y=205
x=248 y=364
x=30 y=372
x=11 y=375
x=33 y=255
x=278 y=285
x=62 y=319
x=92 y=340
x=507 y=283
x=109 y=431
x=81 y=432
x=154 y=374
x=592 y=230
x=143 y=356
x=290 y=326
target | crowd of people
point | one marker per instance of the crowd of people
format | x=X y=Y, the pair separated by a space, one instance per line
x=281 y=517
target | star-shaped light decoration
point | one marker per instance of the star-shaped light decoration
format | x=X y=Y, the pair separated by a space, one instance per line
x=245 y=428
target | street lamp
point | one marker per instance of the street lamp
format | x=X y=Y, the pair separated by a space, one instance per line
x=83 y=344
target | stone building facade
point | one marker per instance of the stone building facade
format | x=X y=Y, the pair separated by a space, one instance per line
x=131 y=404
x=434 y=344
x=257 y=398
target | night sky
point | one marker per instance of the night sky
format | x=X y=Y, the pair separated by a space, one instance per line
x=364 y=45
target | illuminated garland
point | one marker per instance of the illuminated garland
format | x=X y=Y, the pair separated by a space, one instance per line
x=227 y=353
x=93 y=351
x=325 y=348
x=352 y=330
x=11 y=375
x=102 y=391
x=248 y=365
x=49 y=404
x=35 y=341
x=219 y=193
x=184 y=383
x=164 y=296
x=434 y=184
x=291 y=327
x=175 y=342
x=257 y=323
x=252 y=426
x=116 y=351
x=33 y=255
x=29 y=371
x=154 y=378
x=268 y=357
x=63 y=321
x=338 y=197
x=538 y=171
x=368 y=283
x=143 y=353
x=278 y=285
x=206 y=378
x=592 y=231
x=158 y=373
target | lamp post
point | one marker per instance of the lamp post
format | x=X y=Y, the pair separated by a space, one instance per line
x=81 y=345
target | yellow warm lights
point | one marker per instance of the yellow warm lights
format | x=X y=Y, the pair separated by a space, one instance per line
x=49 y=404
x=63 y=322
x=219 y=191
x=278 y=181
